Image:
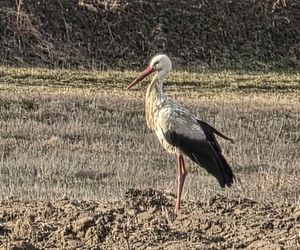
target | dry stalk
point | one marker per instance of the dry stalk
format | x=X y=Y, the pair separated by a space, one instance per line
x=18 y=4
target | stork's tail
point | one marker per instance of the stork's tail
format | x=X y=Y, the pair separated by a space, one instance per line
x=227 y=178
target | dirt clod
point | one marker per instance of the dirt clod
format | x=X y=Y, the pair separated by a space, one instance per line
x=23 y=245
x=84 y=223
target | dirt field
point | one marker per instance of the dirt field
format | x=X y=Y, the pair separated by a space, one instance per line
x=77 y=163
x=144 y=220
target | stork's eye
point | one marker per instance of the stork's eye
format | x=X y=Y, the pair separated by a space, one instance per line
x=155 y=65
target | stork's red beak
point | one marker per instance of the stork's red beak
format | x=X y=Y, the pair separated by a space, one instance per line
x=147 y=71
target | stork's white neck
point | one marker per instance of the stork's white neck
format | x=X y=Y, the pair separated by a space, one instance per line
x=154 y=97
x=156 y=85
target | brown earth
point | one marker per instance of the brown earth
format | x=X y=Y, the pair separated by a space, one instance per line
x=144 y=219
x=106 y=34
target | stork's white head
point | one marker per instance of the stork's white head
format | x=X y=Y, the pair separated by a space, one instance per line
x=160 y=63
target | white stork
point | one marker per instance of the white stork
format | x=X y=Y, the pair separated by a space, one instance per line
x=179 y=132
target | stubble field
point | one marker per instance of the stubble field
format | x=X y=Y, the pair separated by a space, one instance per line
x=77 y=162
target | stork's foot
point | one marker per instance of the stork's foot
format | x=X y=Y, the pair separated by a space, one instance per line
x=170 y=216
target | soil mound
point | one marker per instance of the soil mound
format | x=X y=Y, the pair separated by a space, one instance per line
x=145 y=219
x=124 y=34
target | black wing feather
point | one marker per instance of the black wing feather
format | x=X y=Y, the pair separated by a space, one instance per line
x=211 y=130
x=206 y=152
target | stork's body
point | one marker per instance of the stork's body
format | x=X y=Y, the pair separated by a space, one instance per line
x=179 y=132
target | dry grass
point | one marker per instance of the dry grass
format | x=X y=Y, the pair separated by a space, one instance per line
x=80 y=134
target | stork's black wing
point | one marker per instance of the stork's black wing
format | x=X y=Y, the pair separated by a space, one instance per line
x=210 y=132
x=197 y=140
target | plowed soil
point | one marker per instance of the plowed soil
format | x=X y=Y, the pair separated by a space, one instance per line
x=144 y=219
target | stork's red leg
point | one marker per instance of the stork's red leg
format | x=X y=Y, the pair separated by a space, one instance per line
x=181 y=177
